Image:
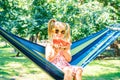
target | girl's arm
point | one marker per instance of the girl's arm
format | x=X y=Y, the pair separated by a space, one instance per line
x=67 y=54
x=49 y=53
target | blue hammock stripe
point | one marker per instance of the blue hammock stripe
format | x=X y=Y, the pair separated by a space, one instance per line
x=84 y=46
x=83 y=51
x=30 y=44
x=81 y=41
x=101 y=49
x=92 y=50
x=36 y=58
x=41 y=49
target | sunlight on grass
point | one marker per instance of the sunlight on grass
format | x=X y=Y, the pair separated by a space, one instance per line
x=21 y=68
x=102 y=70
x=2 y=44
x=18 y=67
x=14 y=64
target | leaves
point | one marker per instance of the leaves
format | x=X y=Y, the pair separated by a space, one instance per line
x=27 y=17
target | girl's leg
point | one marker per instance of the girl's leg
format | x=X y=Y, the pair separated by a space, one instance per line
x=78 y=75
x=67 y=73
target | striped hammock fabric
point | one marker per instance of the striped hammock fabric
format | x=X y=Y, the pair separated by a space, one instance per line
x=83 y=51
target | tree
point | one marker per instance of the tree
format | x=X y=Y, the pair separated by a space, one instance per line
x=30 y=17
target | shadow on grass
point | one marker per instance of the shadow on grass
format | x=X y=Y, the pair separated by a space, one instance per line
x=6 y=60
x=110 y=76
x=6 y=56
x=4 y=78
x=6 y=46
x=4 y=73
x=13 y=66
x=7 y=66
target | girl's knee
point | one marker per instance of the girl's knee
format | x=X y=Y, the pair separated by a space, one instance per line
x=79 y=71
x=67 y=70
x=68 y=73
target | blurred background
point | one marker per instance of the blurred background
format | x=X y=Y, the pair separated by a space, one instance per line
x=28 y=19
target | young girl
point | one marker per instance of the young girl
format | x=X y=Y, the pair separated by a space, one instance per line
x=58 y=50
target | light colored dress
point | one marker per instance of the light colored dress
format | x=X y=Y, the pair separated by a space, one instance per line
x=59 y=60
x=61 y=63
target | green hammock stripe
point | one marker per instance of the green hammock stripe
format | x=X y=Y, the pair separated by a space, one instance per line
x=82 y=46
x=95 y=49
x=34 y=54
x=21 y=45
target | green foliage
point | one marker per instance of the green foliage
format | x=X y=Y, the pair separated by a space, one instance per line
x=30 y=17
x=13 y=16
x=92 y=17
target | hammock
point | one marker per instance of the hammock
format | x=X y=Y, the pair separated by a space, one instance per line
x=83 y=51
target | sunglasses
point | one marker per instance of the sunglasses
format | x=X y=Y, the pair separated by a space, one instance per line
x=57 y=31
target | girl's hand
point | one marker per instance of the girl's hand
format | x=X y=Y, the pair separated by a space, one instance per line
x=56 y=46
x=61 y=42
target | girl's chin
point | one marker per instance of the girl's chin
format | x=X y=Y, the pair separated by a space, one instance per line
x=57 y=37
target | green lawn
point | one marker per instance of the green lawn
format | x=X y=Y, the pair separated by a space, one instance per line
x=102 y=70
x=21 y=68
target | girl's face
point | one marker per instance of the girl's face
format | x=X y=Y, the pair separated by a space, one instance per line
x=59 y=31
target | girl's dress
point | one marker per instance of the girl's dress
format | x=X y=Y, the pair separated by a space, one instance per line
x=61 y=63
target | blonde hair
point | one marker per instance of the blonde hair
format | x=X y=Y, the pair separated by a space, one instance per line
x=52 y=24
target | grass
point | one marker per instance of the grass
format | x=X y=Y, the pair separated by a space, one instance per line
x=21 y=68
x=102 y=70
x=18 y=68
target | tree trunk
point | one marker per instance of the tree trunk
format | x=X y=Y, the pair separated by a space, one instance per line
x=116 y=48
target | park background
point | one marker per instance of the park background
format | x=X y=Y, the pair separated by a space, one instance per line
x=28 y=19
